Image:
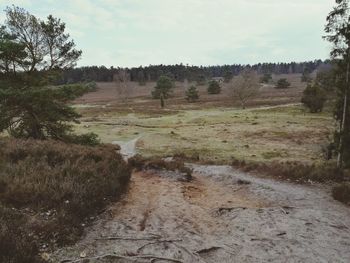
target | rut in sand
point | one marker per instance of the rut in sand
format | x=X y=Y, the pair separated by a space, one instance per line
x=221 y=216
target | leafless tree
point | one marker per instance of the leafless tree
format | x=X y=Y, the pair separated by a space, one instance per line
x=124 y=87
x=245 y=86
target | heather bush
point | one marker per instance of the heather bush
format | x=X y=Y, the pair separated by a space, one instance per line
x=341 y=192
x=62 y=184
x=295 y=171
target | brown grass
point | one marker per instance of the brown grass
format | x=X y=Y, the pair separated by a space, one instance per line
x=341 y=193
x=139 y=98
x=138 y=162
x=55 y=187
x=295 y=171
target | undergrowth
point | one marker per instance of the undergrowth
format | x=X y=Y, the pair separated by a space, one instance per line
x=53 y=187
x=138 y=162
x=341 y=192
x=295 y=171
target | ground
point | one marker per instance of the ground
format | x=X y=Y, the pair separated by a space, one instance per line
x=274 y=127
x=222 y=215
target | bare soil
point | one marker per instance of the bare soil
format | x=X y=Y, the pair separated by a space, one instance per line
x=223 y=215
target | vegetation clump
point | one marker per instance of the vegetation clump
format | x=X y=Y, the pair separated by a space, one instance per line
x=163 y=89
x=141 y=163
x=60 y=184
x=266 y=78
x=33 y=54
x=282 y=84
x=295 y=171
x=214 y=87
x=245 y=86
x=306 y=76
x=314 y=98
x=337 y=29
x=192 y=94
x=341 y=192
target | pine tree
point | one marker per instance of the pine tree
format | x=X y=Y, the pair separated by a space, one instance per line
x=338 y=33
x=33 y=54
x=214 y=87
x=192 y=94
x=163 y=89
x=314 y=98
x=282 y=84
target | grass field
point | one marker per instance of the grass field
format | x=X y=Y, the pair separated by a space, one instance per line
x=211 y=130
x=274 y=127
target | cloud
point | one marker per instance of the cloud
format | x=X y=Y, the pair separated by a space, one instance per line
x=135 y=32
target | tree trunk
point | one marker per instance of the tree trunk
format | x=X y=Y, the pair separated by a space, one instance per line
x=343 y=120
x=243 y=104
x=161 y=100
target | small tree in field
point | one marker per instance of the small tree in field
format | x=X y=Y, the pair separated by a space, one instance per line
x=314 y=98
x=282 y=84
x=201 y=80
x=192 y=94
x=124 y=89
x=163 y=89
x=306 y=76
x=214 y=87
x=228 y=76
x=266 y=78
x=245 y=86
x=141 y=78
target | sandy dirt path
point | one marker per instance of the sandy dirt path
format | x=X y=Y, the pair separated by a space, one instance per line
x=127 y=149
x=221 y=216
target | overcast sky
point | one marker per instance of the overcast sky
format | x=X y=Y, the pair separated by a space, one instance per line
x=198 y=32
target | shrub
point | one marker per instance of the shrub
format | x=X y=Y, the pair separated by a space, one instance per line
x=306 y=76
x=15 y=244
x=341 y=193
x=192 y=94
x=140 y=163
x=282 y=84
x=68 y=182
x=295 y=171
x=266 y=78
x=228 y=76
x=314 y=98
x=164 y=88
x=214 y=87
x=91 y=86
x=201 y=80
x=88 y=139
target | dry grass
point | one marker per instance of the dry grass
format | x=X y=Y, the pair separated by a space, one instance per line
x=54 y=187
x=341 y=193
x=215 y=130
x=295 y=171
x=141 y=163
x=220 y=134
x=109 y=98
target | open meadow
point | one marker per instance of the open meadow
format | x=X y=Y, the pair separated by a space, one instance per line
x=215 y=129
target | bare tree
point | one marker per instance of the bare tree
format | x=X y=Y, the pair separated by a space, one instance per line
x=245 y=86
x=124 y=87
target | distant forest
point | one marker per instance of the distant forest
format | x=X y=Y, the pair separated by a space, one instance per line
x=181 y=72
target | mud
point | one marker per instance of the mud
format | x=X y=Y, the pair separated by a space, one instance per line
x=223 y=215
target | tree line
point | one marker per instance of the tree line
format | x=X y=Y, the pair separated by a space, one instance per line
x=180 y=72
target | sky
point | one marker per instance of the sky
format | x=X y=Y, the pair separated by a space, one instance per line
x=130 y=33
